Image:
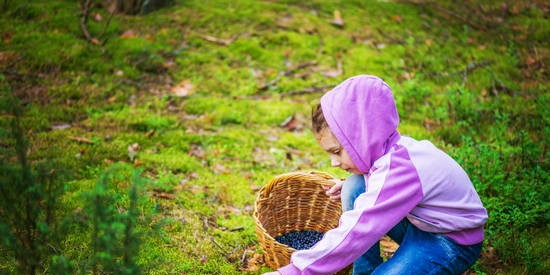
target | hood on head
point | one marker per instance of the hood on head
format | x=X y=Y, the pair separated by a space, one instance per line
x=362 y=115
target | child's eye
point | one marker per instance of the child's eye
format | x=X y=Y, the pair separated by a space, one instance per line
x=335 y=151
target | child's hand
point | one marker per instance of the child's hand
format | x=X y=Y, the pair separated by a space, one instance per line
x=334 y=191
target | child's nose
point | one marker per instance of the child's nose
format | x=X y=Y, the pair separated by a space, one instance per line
x=334 y=161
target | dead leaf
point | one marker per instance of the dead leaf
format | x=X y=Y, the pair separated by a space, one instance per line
x=95 y=41
x=529 y=61
x=183 y=89
x=285 y=21
x=337 y=72
x=503 y=7
x=430 y=124
x=197 y=151
x=220 y=169
x=113 y=7
x=132 y=150
x=289 y=124
x=128 y=34
x=254 y=263
x=7 y=37
x=97 y=17
x=397 y=18
x=388 y=246
x=150 y=133
x=337 y=20
x=169 y=63
x=515 y=9
x=517 y=28
x=406 y=76
x=331 y=74
x=138 y=163
x=484 y=94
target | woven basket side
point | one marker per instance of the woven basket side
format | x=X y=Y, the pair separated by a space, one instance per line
x=293 y=201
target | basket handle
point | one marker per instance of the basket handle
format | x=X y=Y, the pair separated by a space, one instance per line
x=321 y=178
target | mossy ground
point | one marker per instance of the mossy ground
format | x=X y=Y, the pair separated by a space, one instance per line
x=244 y=67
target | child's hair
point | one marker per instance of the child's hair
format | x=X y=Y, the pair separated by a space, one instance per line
x=318 y=121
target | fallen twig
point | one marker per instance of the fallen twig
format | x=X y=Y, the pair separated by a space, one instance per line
x=339 y=69
x=223 y=250
x=237 y=228
x=314 y=89
x=81 y=139
x=21 y=75
x=473 y=66
x=389 y=37
x=107 y=25
x=243 y=257
x=463 y=73
x=287 y=72
x=217 y=40
x=446 y=11
x=163 y=195
x=500 y=83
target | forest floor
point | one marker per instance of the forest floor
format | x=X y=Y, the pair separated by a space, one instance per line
x=209 y=100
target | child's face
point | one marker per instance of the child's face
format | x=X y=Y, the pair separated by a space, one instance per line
x=338 y=155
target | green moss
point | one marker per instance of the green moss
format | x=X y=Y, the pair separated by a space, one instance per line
x=451 y=80
x=174 y=161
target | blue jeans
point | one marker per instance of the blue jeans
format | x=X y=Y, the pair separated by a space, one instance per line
x=419 y=252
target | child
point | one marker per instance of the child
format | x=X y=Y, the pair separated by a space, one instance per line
x=400 y=187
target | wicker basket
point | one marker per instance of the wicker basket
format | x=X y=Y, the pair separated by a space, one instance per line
x=293 y=201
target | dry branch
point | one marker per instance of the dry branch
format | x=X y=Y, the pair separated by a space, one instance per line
x=85 y=8
x=107 y=24
x=314 y=89
x=441 y=9
x=472 y=66
x=287 y=72
x=81 y=139
x=217 y=40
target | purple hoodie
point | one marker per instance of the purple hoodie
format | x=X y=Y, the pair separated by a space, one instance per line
x=404 y=178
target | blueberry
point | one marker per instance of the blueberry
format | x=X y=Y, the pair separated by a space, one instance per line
x=300 y=239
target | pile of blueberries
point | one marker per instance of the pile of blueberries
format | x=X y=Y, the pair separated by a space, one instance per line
x=300 y=239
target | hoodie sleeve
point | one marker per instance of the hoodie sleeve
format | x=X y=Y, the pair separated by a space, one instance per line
x=393 y=190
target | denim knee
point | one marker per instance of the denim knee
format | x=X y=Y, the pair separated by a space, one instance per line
x=353 y=186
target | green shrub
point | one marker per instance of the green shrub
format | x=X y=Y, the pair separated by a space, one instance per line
x=30 y=215
x=511 y=181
